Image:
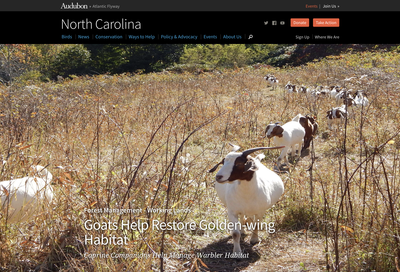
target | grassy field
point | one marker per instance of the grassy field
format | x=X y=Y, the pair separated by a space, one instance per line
x=146 y=141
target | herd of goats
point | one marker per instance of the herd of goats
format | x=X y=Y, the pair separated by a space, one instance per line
x=245 y=186
x=291 y=133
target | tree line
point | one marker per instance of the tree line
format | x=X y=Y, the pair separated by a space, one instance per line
x=47 y=61
x=44 y=62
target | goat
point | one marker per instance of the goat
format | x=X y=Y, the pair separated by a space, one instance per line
x=247 y=188
x=348 y=102
x=303 y=89
x=360 y=100
x=343 y=95
x=335 y=90
x=336 y=115
x=310 y=126
x=20 y=196
x=272 y=80
x=291 y=88
x=315 y=94
x=288 y=135
x=323 y=91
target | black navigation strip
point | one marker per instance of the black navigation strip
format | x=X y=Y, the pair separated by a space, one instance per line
x=205 y=5
x=200 y=27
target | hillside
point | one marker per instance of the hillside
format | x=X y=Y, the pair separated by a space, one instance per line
x=138 y=141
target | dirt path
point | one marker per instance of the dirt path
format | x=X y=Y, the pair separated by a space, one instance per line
x=278 y=252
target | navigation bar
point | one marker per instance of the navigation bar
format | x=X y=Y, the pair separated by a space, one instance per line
x=204 y=27
x=159 y=37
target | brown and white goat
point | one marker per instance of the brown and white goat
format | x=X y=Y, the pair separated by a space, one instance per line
x=272 y=80
x=247 y=188
x=291 y=88
x=336 y=116
x=310 y=126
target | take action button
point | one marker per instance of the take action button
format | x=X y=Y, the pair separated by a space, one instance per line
x=299 y=22
x=326 y=22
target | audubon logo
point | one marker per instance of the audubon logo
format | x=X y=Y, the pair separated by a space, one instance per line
x=73 y=6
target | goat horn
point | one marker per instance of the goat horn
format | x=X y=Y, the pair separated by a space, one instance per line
x=265 y=132
x=252 y=150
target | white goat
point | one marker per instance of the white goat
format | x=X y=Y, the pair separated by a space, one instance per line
x=335 y=90
x=288 y=135
x=19 y=197
x=313 y=93
x=248 y=189
x=324 y=90
x=360 y=100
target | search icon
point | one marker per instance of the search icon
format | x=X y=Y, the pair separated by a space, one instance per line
x=250 y=36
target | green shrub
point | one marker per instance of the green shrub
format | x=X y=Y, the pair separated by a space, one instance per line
x=71 y=60
x=32 y=75
x=106 y=58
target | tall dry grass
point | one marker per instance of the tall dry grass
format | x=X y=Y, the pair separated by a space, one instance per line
x=138 y=141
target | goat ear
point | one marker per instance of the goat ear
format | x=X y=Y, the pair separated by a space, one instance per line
x=215 y=167
x=234 y=147
x=278 y=130
x=303 y=121
x=249 y=166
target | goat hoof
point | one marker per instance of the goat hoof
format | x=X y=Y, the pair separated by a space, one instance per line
x=305 y=152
